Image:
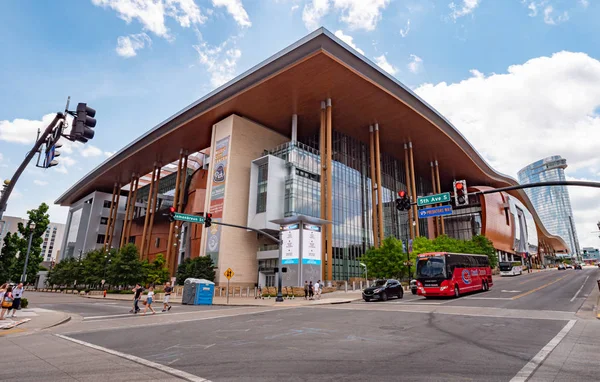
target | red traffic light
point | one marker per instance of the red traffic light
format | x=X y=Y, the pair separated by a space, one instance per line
x=209 y=215
x=402 y=194
x=172 y=210
x=459 y=186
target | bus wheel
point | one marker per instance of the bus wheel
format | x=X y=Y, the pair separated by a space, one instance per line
x=456 y=292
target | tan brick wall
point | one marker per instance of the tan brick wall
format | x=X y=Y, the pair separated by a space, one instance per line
x=238 y=247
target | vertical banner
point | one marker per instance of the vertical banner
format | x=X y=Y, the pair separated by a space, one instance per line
x=217 y=197
x=311 y=253
x=290 y=255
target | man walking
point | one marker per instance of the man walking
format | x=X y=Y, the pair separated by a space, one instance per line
x=17 y=294
x=136 y=298
x=318 y=290
x=306 y=290
x=168 y=291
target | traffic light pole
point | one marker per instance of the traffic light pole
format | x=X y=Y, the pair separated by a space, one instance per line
x=541 y=184
x=30 y=155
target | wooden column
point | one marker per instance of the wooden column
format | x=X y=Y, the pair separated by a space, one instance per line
x=414 y=187
x=132 y=212
x=329 y=192
x=127 y=208
x=379 y=185
x=153 y=209
x=408 y=190
x=147 y=217
x=170 y=256
x=323 y=152
x=373 y=188
x=182 y=192
x=435 y=191
x=110 y=214
x=437 y=175
x=115 y=217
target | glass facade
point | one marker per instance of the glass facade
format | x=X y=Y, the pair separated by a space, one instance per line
x=352 y=209
x=552 y=203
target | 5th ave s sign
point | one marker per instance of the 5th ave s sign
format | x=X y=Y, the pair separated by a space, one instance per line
x=433 y=199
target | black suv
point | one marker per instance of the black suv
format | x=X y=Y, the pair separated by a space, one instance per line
x=382 y=290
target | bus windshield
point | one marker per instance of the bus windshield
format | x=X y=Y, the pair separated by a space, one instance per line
x=431 y=267
x=505 y=266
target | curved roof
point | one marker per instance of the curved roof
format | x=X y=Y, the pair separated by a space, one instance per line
x=295 y=81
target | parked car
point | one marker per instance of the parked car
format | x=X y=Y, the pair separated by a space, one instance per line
x=413 y=286
x=561 y=267
x=569 y=266
x=383 y=289
x=578 y=266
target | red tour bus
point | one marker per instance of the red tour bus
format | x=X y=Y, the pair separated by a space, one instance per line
x=452 y=274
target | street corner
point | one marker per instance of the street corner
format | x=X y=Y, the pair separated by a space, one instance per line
x=33 y=320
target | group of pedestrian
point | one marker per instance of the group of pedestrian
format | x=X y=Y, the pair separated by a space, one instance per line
x=137 y=297
x=10 y=299
x=312 y=291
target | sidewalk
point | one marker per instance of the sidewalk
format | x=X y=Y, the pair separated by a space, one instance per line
x=45 y=357
x=31 y=320
x=338 y=297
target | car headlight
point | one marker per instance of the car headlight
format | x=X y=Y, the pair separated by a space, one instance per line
x=378 y=290
x=444 y=287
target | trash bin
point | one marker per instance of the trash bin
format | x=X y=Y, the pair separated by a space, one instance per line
x=198 y=292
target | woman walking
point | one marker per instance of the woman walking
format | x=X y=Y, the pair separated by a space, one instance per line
x=149 y=301
x=7 y=301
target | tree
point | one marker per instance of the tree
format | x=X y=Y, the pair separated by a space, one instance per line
x=386 y=261
x=64 y=273
x=17 y=242
x=478 y=245
x=198 y=268
x=126 y=268
x=93 y=266
x=156 y=272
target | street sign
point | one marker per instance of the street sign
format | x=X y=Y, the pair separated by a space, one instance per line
x=189 y=218
x=433 y=199
x=229 y=273
x=435 y=211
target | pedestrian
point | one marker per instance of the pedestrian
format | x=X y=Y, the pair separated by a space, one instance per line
x=306 y=290
x=17 y=294
x=311 y=290
x=104 y=293
x=168 y=290
x=137 y=292
x=7 y=301
x=149 y=300
x=317 y=287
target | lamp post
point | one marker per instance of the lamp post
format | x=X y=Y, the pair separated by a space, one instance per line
x=24 y=275
x=279 y=297
x=366 y=274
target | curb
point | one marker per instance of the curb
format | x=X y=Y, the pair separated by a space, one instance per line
x=63 y=321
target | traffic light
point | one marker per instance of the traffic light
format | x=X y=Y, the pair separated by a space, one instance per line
x=208 y=220
x=402 y=202
x=171 y=214
x=83 y=123
x=461 y=198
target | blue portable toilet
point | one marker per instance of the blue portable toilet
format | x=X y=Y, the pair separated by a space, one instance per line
x=205 y=290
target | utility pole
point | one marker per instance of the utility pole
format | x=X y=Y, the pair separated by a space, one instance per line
x=24 y=275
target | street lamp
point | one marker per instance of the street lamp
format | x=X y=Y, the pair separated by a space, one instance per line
x=366 y=274
x=106 y=262
x=24 y=275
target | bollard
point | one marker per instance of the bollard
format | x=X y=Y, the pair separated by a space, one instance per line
x=220 y=292
x=361 y=285
x=346 y=286
x=255 y=292
x=247 y=291
x=353 y=285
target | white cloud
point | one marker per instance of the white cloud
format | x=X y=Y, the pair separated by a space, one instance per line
x=40 y=182
x=467 y=7
x=584 y=3
x=90 y=151
x=385 y=65
x=236 y=9
x=220 y=61
x=67 y=161
x=23 y=130
x=546 y=106
x=348 y=40
x=361 y=14
x=415 y=64
x=533 y=8
x=357 y=14
x=127 y=46
x=1 y=157
x=548 y=19
x=109 y=153
x=61 y=169
x=295 y=7
x=404 y=31
x=152 y=13
x=313 y=12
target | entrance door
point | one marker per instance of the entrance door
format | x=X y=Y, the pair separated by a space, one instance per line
x=270 y=280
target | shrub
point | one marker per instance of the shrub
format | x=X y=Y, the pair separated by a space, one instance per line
x=24 y=303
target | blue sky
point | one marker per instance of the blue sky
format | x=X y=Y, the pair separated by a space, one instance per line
x=520 y=79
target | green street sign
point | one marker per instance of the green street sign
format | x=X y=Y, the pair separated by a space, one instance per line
x=433 y=199
x=189 y=218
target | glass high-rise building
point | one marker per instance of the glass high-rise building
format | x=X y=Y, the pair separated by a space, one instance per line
x=552 y=203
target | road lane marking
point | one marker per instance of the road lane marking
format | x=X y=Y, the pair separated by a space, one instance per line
x=537 y=360
x=488 y=298
x=579 y=290
x=101 y=318
x=535 y=277
x=510 y=291
x=538 y=288
x=141 y=361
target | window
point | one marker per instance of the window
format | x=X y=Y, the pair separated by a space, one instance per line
x=100 y=239
x=107 y=204
x=157 y=242
x=261 y=197
x=104 y=221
